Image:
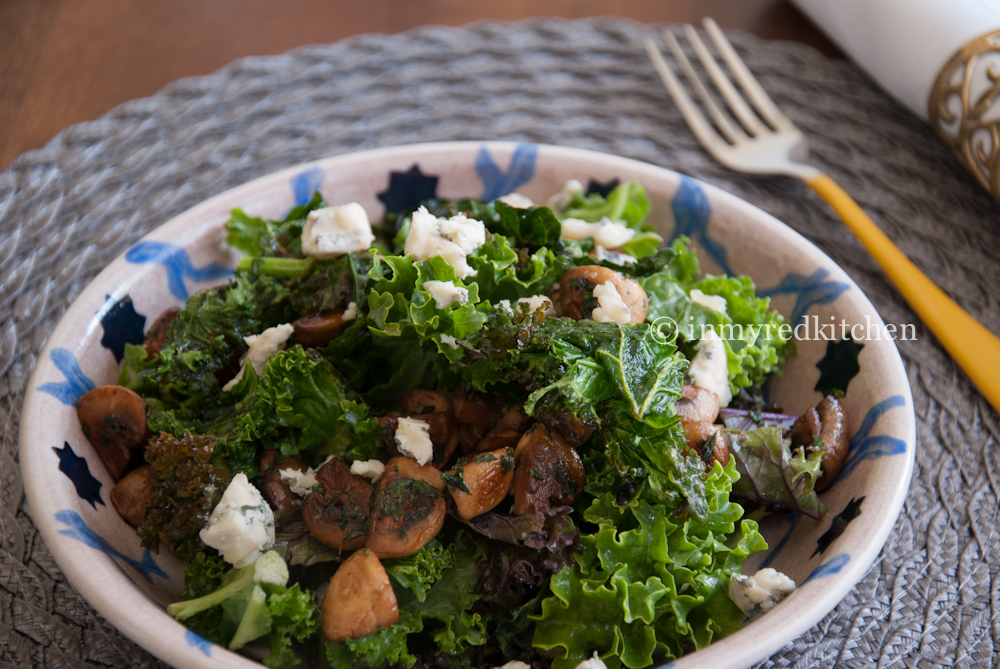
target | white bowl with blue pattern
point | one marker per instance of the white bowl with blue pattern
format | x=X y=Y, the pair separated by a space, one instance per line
x=68 y=487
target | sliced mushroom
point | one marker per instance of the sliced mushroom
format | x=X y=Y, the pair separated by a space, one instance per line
x=562 y=421
x=425 y=401
x=359 y=599
x=476 y=415
x=114 y=420
x=156 y=336
x=318 y=329
x=835 y=438
x=805 y=430
x=415 y=470
x=698 y=404
x=576 y=290
x=548 y=471
x=479 y=482
x=131 y=495
x=276 y=490
x=698 y=408
x=507 y=432
x=706 y=440
x=407 y=514
x=338 y=517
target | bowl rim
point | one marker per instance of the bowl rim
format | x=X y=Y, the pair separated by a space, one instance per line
x=719 y=654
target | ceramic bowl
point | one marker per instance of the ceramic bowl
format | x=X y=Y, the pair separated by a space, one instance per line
x=68 y=487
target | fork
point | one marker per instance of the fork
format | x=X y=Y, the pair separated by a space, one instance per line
x=757 y=138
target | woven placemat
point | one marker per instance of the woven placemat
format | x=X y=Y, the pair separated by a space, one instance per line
x=933 y=596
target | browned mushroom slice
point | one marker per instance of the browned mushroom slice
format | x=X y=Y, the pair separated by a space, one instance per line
x=276 y=490
x=318 y=329
x=407 y=514
x=698 y=404
x=425 y=401
x=338 y=517
x=131 y=495
x=572 y=427
x=576 y=289
x=476 y=415
x=156 y=336
x=479 y=482
x=548 y=471
x=834 y=437
x=705 y=439
x=415 y=470
x=359 y=599
x=805 y=430
x=507 y=432
x=114 y=420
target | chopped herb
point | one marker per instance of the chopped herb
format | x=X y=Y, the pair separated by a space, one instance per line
x=455 y=479
x=402 y=493
x=507 y=462
x=535 y=475
x=485 y=457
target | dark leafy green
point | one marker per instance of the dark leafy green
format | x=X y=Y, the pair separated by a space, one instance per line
x=772 y=475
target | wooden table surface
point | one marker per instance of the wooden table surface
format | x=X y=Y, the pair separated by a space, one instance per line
x=67 y=61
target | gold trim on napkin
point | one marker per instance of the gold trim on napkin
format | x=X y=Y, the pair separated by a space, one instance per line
x=962 y=109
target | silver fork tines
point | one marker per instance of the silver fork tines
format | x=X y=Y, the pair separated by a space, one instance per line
x=754 y=137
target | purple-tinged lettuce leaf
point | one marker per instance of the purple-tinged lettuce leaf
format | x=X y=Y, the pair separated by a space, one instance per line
x=296 y=544
x=773 y=476
x=549 y=529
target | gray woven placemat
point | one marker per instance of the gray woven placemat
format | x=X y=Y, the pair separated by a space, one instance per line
x=932 y=598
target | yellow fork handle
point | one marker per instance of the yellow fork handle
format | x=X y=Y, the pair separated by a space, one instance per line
x=973 y=347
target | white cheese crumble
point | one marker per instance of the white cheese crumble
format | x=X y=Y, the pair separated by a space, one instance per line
x=335 y=231
x=560 y=201
x=262 y=347
x=517 y=201
x=616 y=257
x=449 y=340
x=445 y=293
x=351 y=312
x=607 y=233
x=413 y=439
x=241 y=526
x=709 y=368
x=612 y=308
x=301 y=483
x=535 y=302
x=370 y=469
x=713 y=302
x=514 y=664
x=451 y=238
x=760 y=592
x=592 y=663
x=505 y=305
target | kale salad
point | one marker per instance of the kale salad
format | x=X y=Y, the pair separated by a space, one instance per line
x=472 y=434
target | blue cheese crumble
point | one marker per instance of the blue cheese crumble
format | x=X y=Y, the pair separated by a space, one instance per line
x=241 y=526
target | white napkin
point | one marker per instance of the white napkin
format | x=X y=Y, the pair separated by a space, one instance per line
x=903 y=44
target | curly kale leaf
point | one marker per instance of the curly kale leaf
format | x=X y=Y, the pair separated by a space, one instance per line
x=423 y=569
x=278 y=238
x=648 y=580
x=757 y=339
x=302 y=403
x=626 y=203
x=448 y=601
x=185 y=487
